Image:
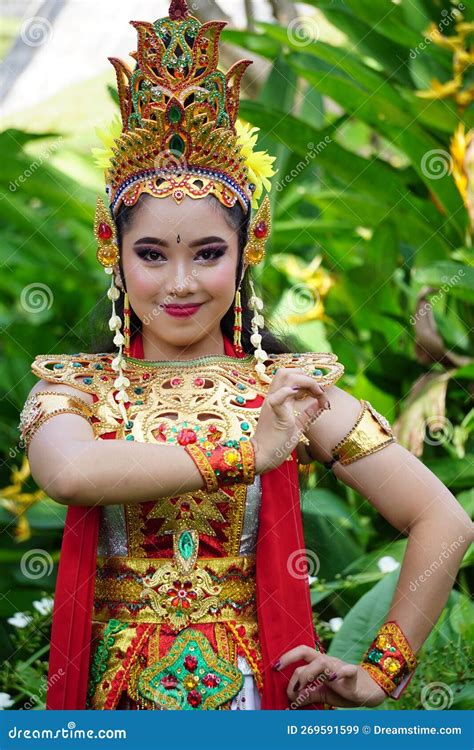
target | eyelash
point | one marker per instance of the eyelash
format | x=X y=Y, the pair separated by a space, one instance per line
x=216 y=253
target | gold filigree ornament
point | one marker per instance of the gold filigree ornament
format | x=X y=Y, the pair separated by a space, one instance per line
x=181 y=601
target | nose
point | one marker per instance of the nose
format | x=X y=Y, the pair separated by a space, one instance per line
x=181 y=278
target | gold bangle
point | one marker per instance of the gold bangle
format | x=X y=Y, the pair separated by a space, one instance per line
x=232 y=462
x=42 y=405
x=371 y=433
x=390 y=660
x=204 y=466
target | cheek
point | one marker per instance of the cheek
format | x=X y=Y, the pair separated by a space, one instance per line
x=141 y=281
x=219 y=280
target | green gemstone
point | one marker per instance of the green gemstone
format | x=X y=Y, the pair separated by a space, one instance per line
x=186 y=545
x=245 y=425
x=177 y=145
x=174 y=114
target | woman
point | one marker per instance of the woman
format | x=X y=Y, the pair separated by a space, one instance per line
x=177 y=456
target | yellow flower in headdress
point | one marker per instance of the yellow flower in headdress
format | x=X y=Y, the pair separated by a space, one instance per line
x=108 y=136
x=259 y=163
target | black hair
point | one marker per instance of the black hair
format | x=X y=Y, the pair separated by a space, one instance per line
x=272 y=343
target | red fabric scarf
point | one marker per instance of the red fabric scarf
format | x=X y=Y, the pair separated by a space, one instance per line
x=283 y=600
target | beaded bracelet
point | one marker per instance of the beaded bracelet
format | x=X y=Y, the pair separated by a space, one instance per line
x=390 y=660
x=228 y=463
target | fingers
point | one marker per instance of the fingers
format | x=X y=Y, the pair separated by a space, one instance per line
x=313 y=676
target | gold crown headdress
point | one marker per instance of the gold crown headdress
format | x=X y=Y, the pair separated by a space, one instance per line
x=179 y=135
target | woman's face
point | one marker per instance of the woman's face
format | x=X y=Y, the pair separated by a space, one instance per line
x=179 y=255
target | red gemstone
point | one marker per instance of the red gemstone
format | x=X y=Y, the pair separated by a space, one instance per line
x=169 y=681
x=190 y=662
x=185 y=437
x=211 y=680
x=175 y=382
x=104 y=232
x=194 y=699
x=199 y=381
x=261 y=230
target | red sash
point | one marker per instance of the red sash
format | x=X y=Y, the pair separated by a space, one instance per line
x=283 y=599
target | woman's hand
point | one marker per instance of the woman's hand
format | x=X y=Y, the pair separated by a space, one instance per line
x=293 y=401
x=315 y=682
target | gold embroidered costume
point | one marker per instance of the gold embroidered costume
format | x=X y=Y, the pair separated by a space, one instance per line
x=174 y=619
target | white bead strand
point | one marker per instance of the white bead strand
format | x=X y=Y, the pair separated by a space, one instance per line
x=256 y=304
x=115 y=324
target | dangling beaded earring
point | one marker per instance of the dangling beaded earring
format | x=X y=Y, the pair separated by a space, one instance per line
x=108 y=256
x=238 y=323
x=259 y=232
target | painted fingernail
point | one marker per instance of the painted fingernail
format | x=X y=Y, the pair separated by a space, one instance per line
x=297 y=686
x=277 y=665
x=332 y=677
x=327 y=405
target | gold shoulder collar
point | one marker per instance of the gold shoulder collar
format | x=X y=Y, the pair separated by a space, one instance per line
x=322 y=366
x=82 y=371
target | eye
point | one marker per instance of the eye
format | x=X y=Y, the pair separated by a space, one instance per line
x=147 y=254
x=212 y=253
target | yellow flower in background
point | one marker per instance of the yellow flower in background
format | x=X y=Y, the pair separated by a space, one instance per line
x=259 y=163
x=108 y=136
x=17 y=502
x=462 y=160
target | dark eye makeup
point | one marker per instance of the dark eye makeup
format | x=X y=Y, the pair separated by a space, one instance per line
x=213 y=253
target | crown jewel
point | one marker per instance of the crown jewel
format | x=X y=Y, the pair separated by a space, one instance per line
x=178 y=114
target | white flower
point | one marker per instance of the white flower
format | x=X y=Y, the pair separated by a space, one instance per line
x=44 y=606
x=5 y=701
x=335 y=623
x=387 y=564
x=115 y=323
x=19 y=620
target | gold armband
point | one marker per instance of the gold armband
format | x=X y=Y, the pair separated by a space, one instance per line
x=42 y=405
x=371 y=433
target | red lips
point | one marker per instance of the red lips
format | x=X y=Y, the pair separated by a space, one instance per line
x=181 y=311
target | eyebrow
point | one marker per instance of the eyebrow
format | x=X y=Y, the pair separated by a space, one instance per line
x=163 y=243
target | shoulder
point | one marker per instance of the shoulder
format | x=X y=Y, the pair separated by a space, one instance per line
x=323 y=366
x=77 y=374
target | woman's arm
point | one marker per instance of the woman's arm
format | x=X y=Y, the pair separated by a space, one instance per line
x=74 y=468
x=415 y=502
